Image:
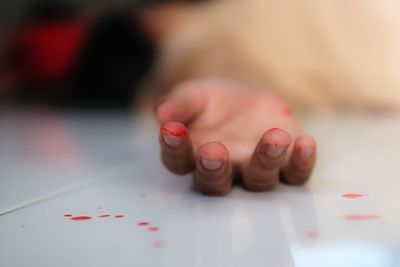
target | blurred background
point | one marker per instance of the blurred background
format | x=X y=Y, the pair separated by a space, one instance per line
x=68 y=53
x=328 y=55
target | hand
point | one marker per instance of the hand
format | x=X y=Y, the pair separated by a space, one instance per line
x=216 y=128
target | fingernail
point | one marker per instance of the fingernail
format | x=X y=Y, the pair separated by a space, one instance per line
x=211 y=165
x=171 y=140
x=306 y=152
x=274 y=151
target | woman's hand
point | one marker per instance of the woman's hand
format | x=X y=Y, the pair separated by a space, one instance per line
x=216 y=127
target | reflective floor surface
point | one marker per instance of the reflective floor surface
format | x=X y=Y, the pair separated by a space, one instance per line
x=88 y=189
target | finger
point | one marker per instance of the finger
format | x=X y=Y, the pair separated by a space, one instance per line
x=176 y=148
x=182 y=104
x=302 y=161
x=262 y=172
x=213 y=173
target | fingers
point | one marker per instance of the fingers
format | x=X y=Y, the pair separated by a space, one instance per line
x=176 y=148
x=213 y=173
x=182 y=104
x=213 y=169
x=262 y=172
x=302 y=161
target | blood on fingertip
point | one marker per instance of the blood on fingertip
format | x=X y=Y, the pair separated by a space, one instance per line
x=274 y=130
x=175 y=129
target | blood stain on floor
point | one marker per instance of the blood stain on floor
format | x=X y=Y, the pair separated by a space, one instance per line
x=353 y=195
x=361 y=217
x=153 y=229
x=81 y=218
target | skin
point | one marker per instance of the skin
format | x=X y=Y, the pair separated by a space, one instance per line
x=217 y=129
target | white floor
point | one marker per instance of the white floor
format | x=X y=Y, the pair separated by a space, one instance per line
x=96 y=164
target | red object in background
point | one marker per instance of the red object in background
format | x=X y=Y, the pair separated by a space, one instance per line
x=47 y=51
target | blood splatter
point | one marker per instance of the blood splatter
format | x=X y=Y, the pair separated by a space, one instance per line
x=157 y=244
x=353 y=195
x=67 y=215
x=143 y=223
x=119 y=216
x=287 y=112
x=173 y=128
x=361 y=217
x=81 y=218
x=312 y=234
x=104 y=215
x=153 y=229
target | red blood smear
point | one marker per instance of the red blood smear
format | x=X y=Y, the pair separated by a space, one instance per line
x=119 y=216
x=353 y=195
x=312 y=234
x=361 y=217
x=174 y=129
x=81 y=218
x=287 y=112
x=153 y=229
x=104 y=216
x=143 y=223
x=67 y=215
x=157 y=244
